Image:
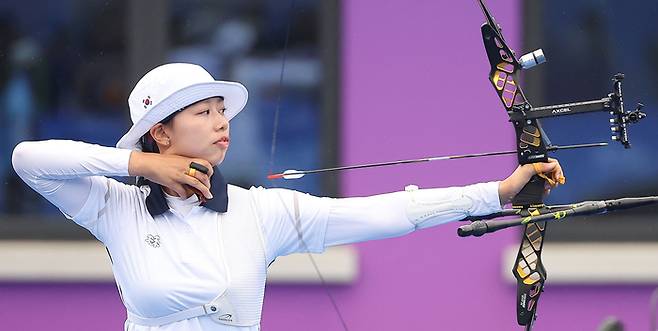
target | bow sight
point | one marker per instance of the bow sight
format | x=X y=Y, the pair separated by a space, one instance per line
x=612 y=103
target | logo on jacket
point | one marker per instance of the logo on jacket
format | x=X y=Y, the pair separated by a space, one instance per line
x=226 y=317
x=153 y=240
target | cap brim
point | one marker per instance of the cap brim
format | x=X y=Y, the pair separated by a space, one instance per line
x=235 y=98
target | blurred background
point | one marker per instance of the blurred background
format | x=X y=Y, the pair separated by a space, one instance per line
x=364 y=81
x=68 y=67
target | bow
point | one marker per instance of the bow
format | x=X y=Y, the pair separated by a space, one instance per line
x=532 y=146
x=528 y=208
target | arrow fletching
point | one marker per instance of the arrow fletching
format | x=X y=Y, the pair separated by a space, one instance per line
x=288 y=174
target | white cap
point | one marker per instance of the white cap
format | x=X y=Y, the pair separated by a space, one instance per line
x=171 y=87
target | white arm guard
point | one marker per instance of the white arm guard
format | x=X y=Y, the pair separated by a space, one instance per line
x=395 y=214
x=430 y=207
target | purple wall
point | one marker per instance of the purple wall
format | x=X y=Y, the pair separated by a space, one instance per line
x=413 y=85
x=61 y=307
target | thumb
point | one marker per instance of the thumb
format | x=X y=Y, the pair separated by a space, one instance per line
x=545 y=167
x=551 y=168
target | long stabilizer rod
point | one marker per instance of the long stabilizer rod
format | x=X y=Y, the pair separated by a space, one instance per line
x=479 y=228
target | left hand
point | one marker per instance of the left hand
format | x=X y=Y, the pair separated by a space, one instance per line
x=513 y=184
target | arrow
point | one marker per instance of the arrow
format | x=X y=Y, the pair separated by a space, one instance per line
x=296 y=174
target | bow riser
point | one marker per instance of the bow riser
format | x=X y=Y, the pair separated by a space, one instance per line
x=531 y=147
x=503 y=77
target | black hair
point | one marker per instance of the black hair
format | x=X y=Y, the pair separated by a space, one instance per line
x=150 y=146
x=148 y=143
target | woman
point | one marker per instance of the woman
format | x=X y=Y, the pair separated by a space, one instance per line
x=189 y=251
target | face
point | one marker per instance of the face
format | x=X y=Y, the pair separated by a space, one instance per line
x=198 y=131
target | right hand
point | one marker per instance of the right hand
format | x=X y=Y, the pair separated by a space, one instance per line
x=171 y=171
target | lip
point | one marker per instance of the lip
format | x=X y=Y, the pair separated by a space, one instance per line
x=222 y=142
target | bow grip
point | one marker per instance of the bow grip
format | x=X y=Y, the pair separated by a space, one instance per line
x=532 y=193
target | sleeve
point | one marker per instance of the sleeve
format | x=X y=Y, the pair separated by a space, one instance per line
x=293 y=222
x=296 y=222
x=71 y=175
x=352 y=220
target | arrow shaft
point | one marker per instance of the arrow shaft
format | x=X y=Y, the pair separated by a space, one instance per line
x=426 y=159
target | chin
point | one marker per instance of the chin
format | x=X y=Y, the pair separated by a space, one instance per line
x=217 y=159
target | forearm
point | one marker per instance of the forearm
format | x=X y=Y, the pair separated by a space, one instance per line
x=67 y=159
x=395 y=214
x=506 y=192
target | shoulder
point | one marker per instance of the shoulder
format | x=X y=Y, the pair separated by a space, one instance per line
x=237 y=190
x=125 y=195
x=253 y=192
x=256 y=197
x=125 y=188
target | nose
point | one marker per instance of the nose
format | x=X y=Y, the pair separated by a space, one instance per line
x=221 y=122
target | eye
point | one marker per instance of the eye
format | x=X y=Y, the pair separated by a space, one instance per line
x=222 y=111
x=207 y=112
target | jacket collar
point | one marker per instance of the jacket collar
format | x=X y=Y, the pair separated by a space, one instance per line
x=156 y=203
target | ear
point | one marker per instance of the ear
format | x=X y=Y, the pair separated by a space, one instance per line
x=159 y=132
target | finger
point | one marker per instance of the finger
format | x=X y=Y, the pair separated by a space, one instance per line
x=198 y=174
x=542 y=167
x=194 y=182
x=196 y=192
x=203 y=178
x=559 y=175
x=208 y=166
x=205 y=164
x=206 y=181
x=554 y=174
x=555 y=169
x=180 y=190
x=548 y=167
x=200 y=189
x=211 y=171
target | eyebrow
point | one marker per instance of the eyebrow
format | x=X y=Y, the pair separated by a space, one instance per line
x=205 y=102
